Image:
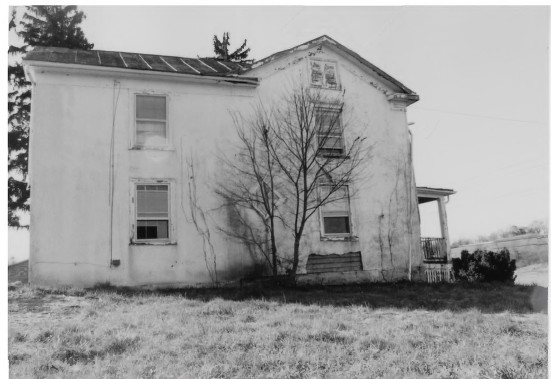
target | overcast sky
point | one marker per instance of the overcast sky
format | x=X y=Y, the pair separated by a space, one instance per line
x=482 y=73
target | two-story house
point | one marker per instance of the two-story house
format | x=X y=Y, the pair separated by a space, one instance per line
x=113 y=136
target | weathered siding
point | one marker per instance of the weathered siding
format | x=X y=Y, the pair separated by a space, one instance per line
x=334 y=262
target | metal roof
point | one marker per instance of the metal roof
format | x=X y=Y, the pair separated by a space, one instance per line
x=136 y=61
x=191 y=66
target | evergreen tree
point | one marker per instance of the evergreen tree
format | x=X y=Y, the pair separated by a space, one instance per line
x=56 y=26
x=221 y=49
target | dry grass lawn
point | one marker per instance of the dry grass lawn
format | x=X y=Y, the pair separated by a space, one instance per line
x=373 y=331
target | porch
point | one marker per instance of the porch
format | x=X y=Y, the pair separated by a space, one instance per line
x=437 y=250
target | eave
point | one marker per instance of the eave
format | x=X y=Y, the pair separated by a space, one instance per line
x=426 y=194
x=331 y=43
x=135 y=73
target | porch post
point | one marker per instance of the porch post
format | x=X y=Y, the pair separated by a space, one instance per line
x=444 y=225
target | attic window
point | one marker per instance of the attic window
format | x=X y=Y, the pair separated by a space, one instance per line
x=323 y=74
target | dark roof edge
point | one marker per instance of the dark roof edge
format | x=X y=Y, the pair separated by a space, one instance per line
x=328 y=41
x=43 y=54
x=237 y=79
x=435 y=191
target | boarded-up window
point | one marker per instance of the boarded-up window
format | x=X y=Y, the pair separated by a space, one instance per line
x=152 y=211
x=330 y=134
x=330 y=75
x=334 y=262
x=151 y=120
x=317 y=73
x=336 y=212
x=323 y=74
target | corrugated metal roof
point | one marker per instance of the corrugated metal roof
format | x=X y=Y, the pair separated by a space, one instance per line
x=136 y=61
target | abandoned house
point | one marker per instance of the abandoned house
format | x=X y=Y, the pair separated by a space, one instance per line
x=112 y=138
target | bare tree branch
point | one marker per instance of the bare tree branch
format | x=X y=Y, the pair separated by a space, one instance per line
x=291 y=149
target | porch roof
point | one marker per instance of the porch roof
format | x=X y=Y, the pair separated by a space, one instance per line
x=426 y=194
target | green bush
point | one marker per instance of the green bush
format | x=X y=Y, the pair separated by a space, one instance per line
x=485 y=266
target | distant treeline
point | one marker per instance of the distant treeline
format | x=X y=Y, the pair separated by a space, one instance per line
x=536 y=227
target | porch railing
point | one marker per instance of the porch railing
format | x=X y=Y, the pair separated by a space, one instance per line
x=434 y=249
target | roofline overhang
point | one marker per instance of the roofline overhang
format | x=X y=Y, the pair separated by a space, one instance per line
x=434 y=193
x=89 y=69
x=331 y=43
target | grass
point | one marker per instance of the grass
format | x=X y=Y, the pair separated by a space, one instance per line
x=370 y=331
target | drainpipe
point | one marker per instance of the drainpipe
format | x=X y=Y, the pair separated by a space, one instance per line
x=409 y=207
x=113 y=262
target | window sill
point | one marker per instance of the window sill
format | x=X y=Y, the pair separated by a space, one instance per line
x=318 y=87
x=153 y=243
x=336 y=238
x=334 y=156
x=159 y=148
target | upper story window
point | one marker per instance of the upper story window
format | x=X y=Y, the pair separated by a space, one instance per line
x=330 y=133
x=152 y=212
x=323 y=74
x=151 y=120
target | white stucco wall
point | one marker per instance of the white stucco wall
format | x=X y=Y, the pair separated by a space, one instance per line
x=387 y=183
x=72 y=238
x=72 y=119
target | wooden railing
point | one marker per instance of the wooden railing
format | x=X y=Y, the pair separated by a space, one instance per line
x=434 y=249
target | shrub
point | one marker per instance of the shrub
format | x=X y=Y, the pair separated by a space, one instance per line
x=485 y=266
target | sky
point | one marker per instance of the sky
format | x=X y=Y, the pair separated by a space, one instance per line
x=481 y=126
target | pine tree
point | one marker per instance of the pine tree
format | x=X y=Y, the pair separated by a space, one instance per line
x=221 y=49
x=56 y=26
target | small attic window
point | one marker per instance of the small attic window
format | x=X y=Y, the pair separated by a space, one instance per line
x=323 y=74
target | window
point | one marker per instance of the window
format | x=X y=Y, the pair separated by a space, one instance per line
x=336 y=213
x=151 y=125
x=329 y=126
x=323 y=74
x=152 y=212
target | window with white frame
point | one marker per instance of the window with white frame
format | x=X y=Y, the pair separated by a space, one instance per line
x=152 y=212
x=335 y=214
x=330 y=133
x=151 y=120
x=323 y=74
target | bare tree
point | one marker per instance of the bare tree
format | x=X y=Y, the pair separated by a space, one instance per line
x=298 y=150
x=251 y=185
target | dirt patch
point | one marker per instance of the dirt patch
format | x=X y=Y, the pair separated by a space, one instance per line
x=25 y=311
x=47 y=303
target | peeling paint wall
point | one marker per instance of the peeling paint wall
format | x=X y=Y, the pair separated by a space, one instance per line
x=385 y=199
x=72 y=240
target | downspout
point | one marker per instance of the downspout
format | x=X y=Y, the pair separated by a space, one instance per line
x=409 y=207
x=112 y=173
